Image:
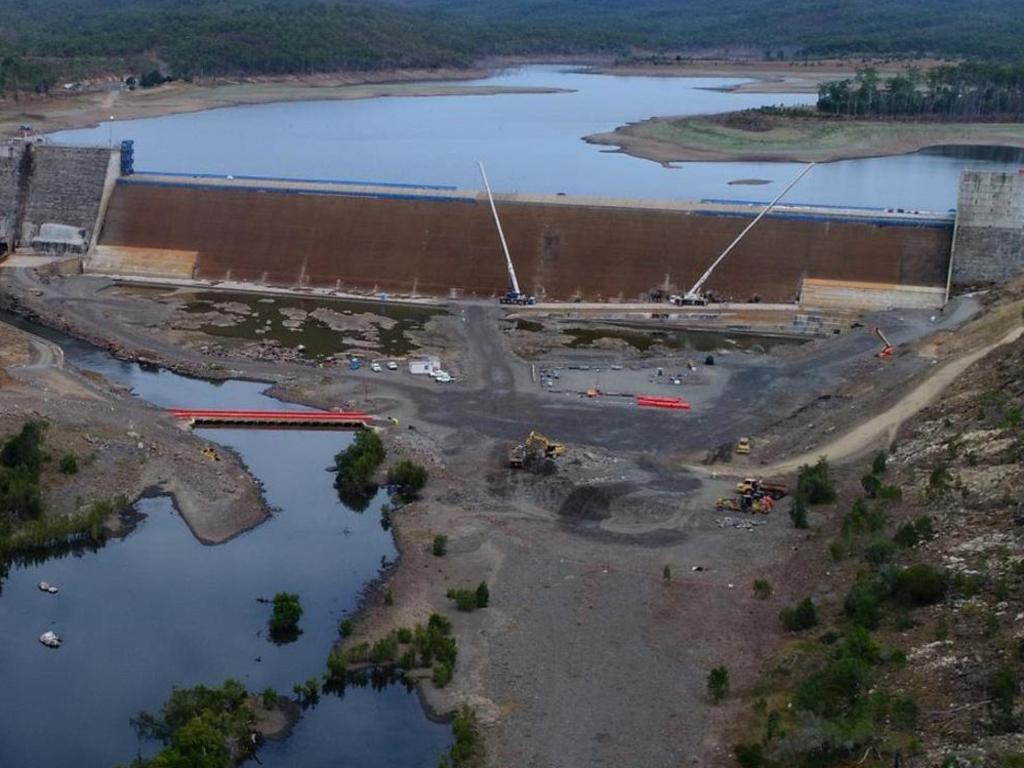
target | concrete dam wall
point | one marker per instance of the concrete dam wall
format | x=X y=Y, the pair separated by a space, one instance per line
x=442 y=241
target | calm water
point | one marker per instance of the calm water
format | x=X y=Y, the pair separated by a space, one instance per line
x=158 y=609
x=530 y=142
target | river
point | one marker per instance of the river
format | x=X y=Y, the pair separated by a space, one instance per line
x=530 y=142
x=158 y=609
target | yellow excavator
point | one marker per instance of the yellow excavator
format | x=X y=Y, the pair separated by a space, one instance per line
x=535 y=444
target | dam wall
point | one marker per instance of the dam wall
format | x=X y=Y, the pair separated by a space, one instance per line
x=989 y=240
x=50 y=195
x=442 y=241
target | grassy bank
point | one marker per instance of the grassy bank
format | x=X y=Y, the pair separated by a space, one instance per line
x=755 y=136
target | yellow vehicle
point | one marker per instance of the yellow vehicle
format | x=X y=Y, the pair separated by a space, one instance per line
x=550 y=448
x=743 y=446
x=211 y=454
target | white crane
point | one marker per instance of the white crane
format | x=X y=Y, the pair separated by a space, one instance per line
x=513 y=295
x=695 y=296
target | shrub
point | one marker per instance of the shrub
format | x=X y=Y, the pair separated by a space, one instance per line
x=718 y=683
x=440 y=546
x=833 y=691
x=879 y=551
x=798 y=512
x=25 y=449
x=1002 y=692
x=346 y=627
x=337 y=665
x=356 y=466
x=404 y=635
x=466 y=748
x=384 y=650
x=389 y=597
x=878 y=465
x=803 y=615
x=287 y=612
x=940 y=481
x=863 y=604
x=465 y=599
x=890 y=493
x=863 y=518
x=815 y=484
x=749 y=755
x=666 y=574
x=442 y=674
x=68 y=464
x=407 y=479
x=920 y=585
x=762 y=589
x=269 y=698
x=871 y=485
x=483 y=595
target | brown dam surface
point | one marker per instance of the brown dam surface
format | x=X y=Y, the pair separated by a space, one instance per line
x=442 y=244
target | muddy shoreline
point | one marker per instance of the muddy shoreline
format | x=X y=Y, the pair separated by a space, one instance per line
x=669 y=140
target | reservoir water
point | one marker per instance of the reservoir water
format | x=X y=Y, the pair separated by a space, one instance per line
x=157 y=609
x=530 y=142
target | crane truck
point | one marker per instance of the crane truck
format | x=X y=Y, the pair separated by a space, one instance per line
x=695 y=296
x=512 y=295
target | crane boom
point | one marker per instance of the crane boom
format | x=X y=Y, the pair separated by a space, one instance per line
x=501 y=235
x=695 y=290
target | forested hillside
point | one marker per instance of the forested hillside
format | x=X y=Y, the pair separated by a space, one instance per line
x=43 y=41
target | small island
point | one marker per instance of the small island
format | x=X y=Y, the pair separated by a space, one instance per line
x=867 y=116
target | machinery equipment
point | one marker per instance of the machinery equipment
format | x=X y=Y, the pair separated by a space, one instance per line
x=743 y=446
x=757 y=487
x=535 y=445
x=695 y=296
x=513 y=295
x=887 y=350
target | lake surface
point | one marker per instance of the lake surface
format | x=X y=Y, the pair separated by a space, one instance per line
x=530 y=143
x=158 y=609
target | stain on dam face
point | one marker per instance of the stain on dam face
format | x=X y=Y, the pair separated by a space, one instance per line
x=562 y=249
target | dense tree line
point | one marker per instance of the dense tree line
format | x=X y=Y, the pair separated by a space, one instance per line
x=43 y=42
x=968 y=90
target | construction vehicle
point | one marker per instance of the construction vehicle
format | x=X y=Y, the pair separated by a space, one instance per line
x=210 y=453
x=743 y=446
x=512 y=295
x=758 y=487
x=535 y=446
x=695 y=296
x=887 y=350
x=724 y=504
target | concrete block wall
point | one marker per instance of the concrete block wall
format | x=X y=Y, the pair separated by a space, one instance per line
x=66 y=187
x=988 y=241
x=10 y=163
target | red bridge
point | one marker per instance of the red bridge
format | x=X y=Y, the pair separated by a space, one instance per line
x=218 y=418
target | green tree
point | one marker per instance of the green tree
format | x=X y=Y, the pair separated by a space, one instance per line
x=284 y=621
x=407 y=479
x=814 y=483
x=718 y=683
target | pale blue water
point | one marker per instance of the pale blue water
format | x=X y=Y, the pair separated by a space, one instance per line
x=530 y=143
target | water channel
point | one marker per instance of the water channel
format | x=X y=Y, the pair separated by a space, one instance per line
x=530 y=142
x=157 y=609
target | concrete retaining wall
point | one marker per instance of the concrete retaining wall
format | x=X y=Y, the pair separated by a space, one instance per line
x=432 y=244
x=989 y=242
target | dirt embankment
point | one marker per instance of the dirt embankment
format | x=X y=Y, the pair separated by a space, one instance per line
x=81 y=110
x=751 y=136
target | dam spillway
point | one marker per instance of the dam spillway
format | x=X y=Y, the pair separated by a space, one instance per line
x=441 y=241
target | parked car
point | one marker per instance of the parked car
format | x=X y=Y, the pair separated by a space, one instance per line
x=392 y=365
x=375 y=367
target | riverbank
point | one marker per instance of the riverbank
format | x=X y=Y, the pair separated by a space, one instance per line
x=748 y=136
x=83 y=110
x=121 y=446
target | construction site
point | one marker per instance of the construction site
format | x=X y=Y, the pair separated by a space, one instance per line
x=612 y=398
